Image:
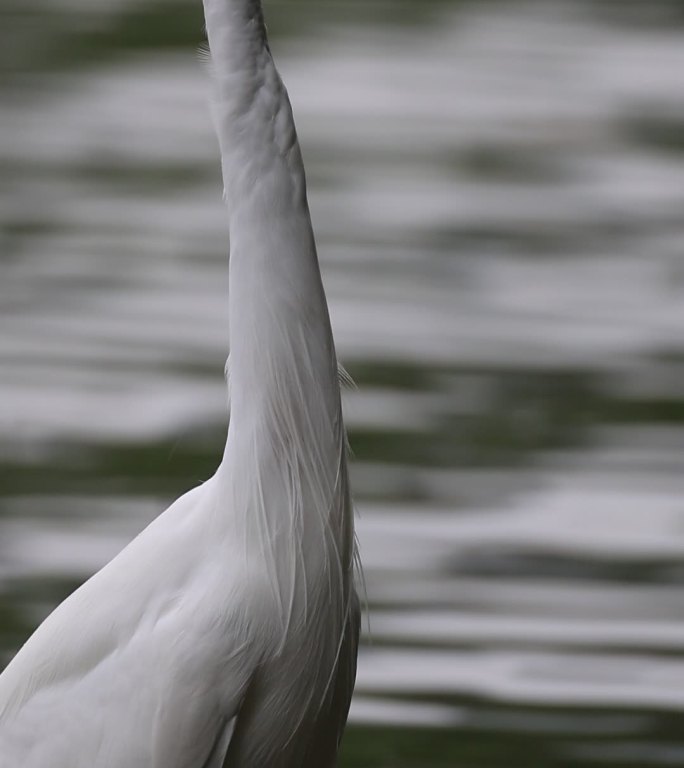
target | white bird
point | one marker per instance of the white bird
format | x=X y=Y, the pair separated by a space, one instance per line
x=225 y=635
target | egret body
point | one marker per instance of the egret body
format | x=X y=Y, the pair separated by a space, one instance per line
x=224 y=635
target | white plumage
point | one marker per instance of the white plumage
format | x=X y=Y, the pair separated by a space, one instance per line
x=225 y=634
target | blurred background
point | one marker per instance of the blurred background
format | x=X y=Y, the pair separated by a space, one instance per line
x=498 y=194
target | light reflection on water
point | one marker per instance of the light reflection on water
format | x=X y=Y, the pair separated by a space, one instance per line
x=497 y=198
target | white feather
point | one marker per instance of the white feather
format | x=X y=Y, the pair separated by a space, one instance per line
x=225 y=634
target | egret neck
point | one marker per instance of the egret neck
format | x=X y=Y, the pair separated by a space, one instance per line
x=285 y=450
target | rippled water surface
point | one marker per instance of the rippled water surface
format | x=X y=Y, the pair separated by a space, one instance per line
x=498 y=195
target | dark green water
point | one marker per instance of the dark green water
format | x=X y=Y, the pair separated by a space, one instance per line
x=497 y=190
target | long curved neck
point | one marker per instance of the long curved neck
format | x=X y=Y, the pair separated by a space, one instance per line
x=278 y=311
x=285 y=456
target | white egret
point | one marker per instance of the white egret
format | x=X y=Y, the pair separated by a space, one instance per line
x=225 y=634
